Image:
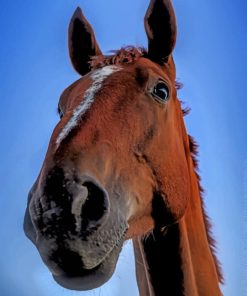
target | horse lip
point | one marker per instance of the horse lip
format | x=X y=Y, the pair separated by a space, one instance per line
x=91 y=278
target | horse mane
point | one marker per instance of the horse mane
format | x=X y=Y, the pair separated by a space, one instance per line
x=212 y=243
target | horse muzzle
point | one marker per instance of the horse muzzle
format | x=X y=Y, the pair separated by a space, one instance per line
x=77 y=231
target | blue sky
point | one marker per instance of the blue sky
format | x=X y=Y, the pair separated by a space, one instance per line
x=35 y=68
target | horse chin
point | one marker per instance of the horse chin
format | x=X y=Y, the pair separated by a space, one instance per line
x=93 y=278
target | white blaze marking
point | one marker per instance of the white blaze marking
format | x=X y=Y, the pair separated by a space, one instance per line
x=98 y=76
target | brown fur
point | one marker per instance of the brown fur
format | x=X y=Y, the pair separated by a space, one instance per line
x=129 y=55
x=126 y=55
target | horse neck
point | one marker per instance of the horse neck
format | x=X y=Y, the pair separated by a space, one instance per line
x=180 y=261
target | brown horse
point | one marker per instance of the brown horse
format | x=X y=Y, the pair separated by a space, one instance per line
x=121 y=165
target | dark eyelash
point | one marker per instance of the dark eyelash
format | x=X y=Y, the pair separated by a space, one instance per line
x=59 y=111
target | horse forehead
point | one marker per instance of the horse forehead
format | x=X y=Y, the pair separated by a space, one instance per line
x=98 y=77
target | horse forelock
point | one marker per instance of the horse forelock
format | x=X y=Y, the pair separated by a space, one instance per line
x=124 y=55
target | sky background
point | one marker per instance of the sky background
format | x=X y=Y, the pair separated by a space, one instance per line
x=34 y=69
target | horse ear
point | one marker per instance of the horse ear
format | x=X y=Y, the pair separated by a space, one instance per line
x=82 y=42
x=161 y=29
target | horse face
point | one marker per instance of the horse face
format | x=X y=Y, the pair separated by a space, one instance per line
x=116 y=163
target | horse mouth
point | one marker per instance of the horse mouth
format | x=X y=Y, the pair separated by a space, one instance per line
x=87 y=279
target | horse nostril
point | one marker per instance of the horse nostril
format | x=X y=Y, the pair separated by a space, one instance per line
x=89 y=205
x=96 y=204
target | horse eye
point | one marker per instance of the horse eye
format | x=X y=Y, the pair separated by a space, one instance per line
x=161 y=92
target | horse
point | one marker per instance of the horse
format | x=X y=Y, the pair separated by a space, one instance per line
x=120 y=165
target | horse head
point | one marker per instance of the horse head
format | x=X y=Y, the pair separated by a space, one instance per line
x=116 y=165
